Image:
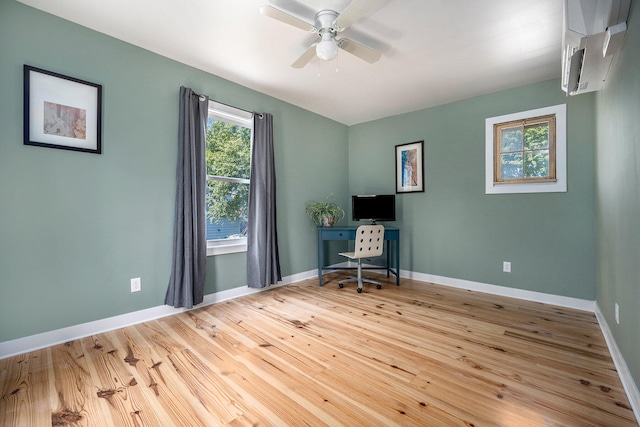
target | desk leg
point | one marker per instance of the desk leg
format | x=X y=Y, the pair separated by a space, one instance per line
x=398 y=261
x=320 y=258
x=388 y=258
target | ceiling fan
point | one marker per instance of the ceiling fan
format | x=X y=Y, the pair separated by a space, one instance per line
x=327 y=24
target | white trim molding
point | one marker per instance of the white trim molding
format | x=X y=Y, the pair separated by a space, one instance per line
x=561 y=301
x=628 y=383
x=226 y=246
x=560 y=185
x=60 y=336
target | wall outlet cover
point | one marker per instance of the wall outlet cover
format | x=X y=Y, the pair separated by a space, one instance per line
x=136 y=284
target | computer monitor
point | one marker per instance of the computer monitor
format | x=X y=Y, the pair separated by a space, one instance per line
x=374 y=207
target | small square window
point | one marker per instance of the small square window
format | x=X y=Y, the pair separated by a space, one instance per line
x=526 y=152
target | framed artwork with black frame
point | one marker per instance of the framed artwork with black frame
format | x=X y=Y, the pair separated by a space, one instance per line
x=61 y=111
x=410 y=167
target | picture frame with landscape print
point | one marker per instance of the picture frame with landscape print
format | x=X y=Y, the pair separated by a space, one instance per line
x=410 y=167
x=61 y=111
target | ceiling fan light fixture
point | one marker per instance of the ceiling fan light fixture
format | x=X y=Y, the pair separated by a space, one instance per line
x=327 y=24
x=327 y=49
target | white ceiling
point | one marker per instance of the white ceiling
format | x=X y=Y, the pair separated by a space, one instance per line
x=433 y=51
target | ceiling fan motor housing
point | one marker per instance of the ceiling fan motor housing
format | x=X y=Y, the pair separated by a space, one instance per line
x=324 y=22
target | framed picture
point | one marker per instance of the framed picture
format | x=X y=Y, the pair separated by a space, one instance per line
x=61 y=111
x=410 y=167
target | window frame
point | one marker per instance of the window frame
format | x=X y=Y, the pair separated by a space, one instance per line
x=523 y=123
x=236 y=116
x=527 y=185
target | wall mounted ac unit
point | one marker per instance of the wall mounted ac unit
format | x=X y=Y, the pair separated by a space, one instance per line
x=593 y=34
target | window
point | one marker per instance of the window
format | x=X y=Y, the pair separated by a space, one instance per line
x=228 y=157
x=526 y=152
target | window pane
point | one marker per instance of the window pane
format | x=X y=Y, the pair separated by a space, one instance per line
x=511 y=139
x=536 y=163
x=511 y=165
x=227 y=209
x=226 y=229
x=228 y=149
x=228 y=156
x=536 y=137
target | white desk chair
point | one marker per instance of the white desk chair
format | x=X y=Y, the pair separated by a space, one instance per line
x=369 y=243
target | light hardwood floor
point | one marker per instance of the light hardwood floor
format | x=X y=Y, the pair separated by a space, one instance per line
x=418 y=354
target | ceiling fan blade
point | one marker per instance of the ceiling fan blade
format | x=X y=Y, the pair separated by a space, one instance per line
x=281 y=16
x=361 y=51
x=354 y=11
x=305 y=57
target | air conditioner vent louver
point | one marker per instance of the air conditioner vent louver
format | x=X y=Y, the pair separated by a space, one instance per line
x=575 y=69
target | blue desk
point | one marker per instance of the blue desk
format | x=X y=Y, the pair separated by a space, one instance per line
x=391 y=234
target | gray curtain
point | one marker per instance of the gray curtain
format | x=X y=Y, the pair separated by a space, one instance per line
x=263 y=260
x=186 y=285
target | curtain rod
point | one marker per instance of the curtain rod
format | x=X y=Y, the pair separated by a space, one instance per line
x=227 y=105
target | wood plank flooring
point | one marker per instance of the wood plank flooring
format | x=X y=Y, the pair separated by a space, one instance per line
x=304 y=355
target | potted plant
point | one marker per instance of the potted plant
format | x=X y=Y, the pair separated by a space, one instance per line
x=324 y=213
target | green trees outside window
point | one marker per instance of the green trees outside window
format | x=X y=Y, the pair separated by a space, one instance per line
x=228 y=157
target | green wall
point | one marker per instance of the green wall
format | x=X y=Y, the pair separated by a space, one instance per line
x=75 y=227
x=618 y=196
x=454 y=229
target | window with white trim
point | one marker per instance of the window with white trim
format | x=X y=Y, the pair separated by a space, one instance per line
x=228 y=157
x=526 y=152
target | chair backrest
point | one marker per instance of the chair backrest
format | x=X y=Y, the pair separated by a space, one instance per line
x=369 y=241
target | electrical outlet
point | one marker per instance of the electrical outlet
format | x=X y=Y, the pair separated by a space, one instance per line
x=136 y=284
x=617 y=314
x=506 y=266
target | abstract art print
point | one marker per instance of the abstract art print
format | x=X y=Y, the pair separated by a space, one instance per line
x=61 y=112
x=410 y=167
x=64 y=120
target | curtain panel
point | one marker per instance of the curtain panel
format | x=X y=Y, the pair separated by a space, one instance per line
x=263 y=259
x=186 y=284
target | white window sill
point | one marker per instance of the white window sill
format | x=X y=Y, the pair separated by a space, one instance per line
x=221 y=247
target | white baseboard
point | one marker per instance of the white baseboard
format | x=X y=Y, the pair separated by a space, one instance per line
x=628 y=383
x=569 y=302
x=561 y=301
x=46 y=339
x=59 y=336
